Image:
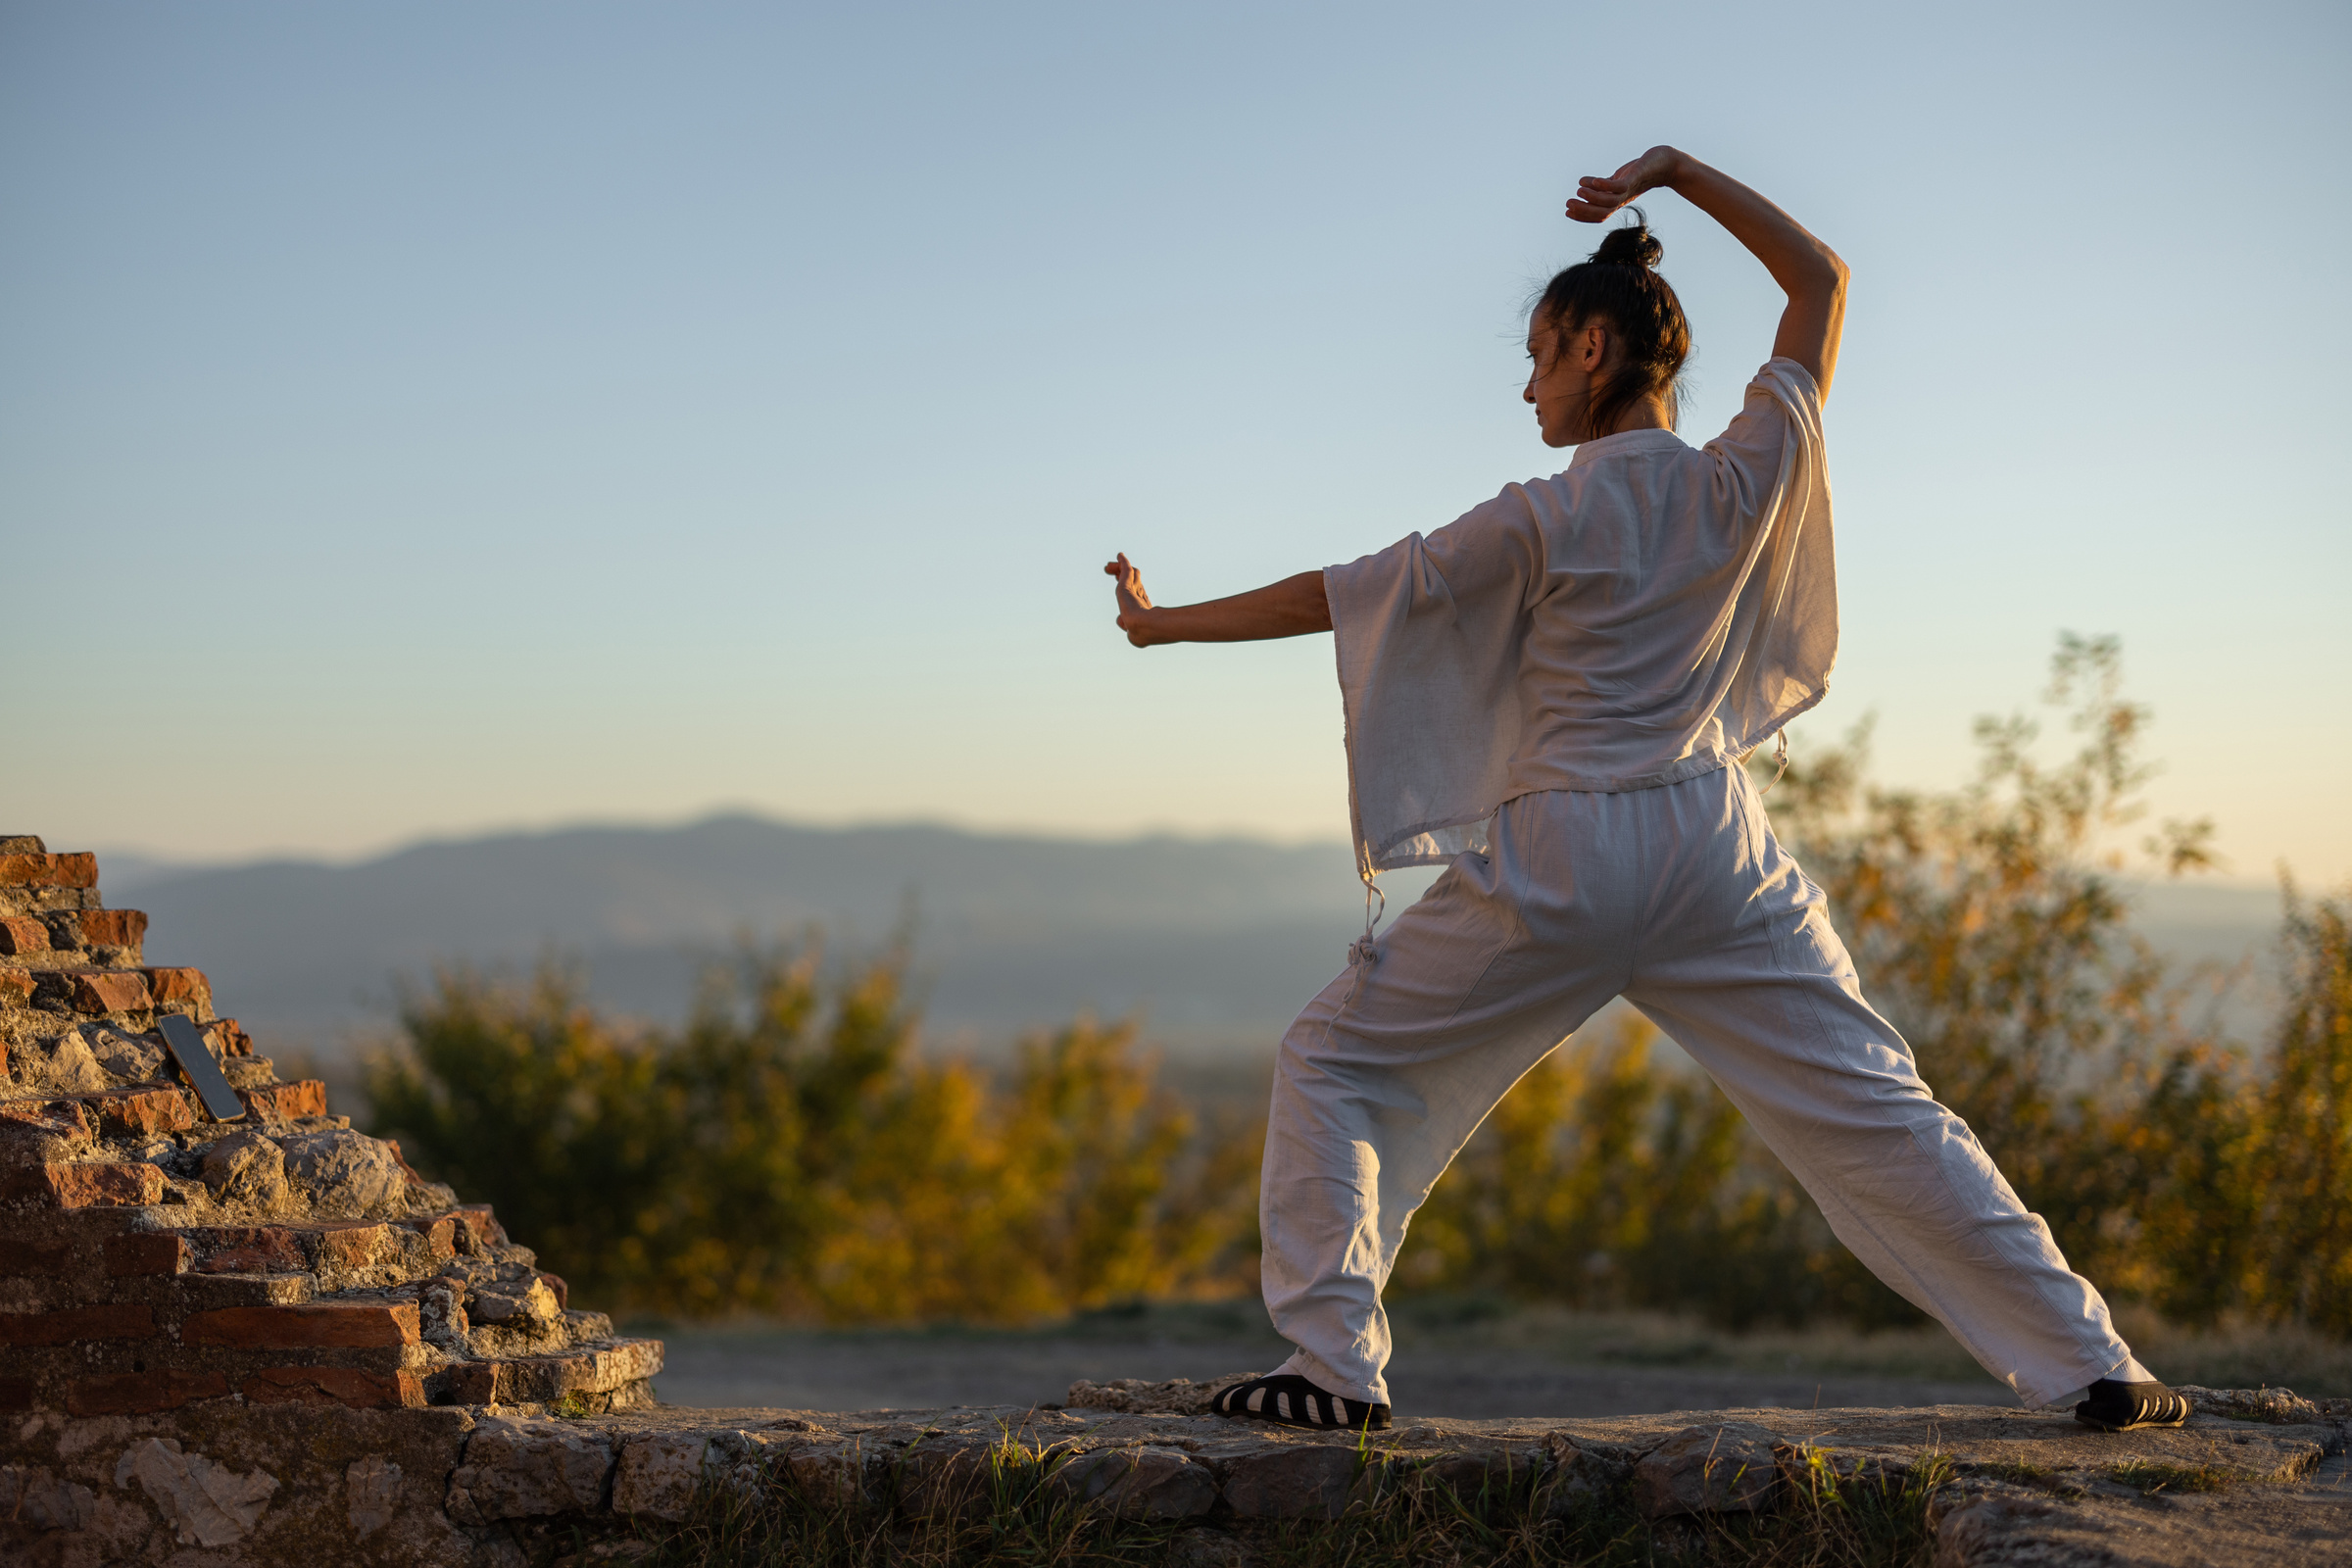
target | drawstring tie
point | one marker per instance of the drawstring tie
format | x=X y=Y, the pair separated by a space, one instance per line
x=1362 y=953
x=1361 y=949
x=1781 y=751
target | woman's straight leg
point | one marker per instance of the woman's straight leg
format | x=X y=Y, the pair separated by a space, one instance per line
x=1751 y=981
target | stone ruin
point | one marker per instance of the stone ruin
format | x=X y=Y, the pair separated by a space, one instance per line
x=269 y=1342
x=154 y=1257
x=154 y=1261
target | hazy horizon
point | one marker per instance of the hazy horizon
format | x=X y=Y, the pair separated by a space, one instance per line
x=144 y=864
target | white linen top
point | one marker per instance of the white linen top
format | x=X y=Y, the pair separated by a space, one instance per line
x=1649 y=614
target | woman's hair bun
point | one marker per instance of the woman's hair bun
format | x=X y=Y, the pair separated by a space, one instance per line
x=1631 y=246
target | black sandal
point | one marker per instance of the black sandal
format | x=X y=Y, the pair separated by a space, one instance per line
x=2123 y=1406
x=1288 y=1399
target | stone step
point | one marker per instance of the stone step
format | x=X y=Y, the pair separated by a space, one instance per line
x=613 y=1367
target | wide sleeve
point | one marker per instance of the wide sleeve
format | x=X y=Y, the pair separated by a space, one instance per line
x=1780 y=632
x=1428 y=635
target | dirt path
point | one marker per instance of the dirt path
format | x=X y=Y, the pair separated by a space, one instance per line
x=815 y=1371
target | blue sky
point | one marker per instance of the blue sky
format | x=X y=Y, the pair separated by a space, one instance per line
x=426 y=418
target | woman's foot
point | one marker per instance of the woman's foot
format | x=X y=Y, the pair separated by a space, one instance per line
x=2120 y=1407
x=1289 y=1400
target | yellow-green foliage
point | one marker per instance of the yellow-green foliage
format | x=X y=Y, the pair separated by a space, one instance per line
x=789 y=1153
x=2245 y=1161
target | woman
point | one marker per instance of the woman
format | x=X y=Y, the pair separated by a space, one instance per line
x=1553 y=695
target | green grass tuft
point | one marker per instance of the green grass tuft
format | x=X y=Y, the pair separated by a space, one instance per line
x=2147 y=1477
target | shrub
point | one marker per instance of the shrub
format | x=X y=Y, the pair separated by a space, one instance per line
x=789 y=1153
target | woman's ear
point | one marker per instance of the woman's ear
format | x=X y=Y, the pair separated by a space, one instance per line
x=1592 y=346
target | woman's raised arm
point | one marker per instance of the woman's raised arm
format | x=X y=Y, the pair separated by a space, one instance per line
x=1291 y=607
x=1808 y=271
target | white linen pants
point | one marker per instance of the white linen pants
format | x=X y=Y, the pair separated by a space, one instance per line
x=1679 y=899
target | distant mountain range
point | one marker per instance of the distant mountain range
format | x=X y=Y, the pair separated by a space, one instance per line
x=1216 y=942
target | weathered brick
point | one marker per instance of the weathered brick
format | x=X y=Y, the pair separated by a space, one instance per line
x=442 y=1234
x=139 y=1253
x=143 y=1393
x=349 y=1246
x=49 y=871
x=199 y=1291
x=23 y=934
x=30 y=1259
x=473 y=1383
x=70 y=1323
x=477 y=1230
x=334 y=1384
x=319 y=1325
x=147 y=1112
x=16 y=985
x=178 y=984
x=112 y=928
x=555 y=1283
x=248 y=1249
x=110 y=991
x=228 y=1038
x=92 y=1185
x=286 y=1101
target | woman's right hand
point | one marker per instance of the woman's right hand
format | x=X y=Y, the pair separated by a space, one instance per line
x=1596 y=196
x=1134 y=602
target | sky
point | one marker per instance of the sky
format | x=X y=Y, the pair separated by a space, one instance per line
x=436 y=419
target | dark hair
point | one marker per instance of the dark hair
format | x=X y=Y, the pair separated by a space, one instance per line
x=1620 y=285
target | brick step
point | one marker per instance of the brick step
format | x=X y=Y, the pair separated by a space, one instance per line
x=121 y=1243
x=614 y=1373
x=39 y=868
x=151 y=1108
x=115 y=1358
x=267 y=1355
x=112 y=937
x=60 y=1057
x=381 y=1325
x=125 y=1111
x=94 y=991
x=34 y=881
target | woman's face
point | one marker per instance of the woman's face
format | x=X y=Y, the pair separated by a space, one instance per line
x=1562 y=368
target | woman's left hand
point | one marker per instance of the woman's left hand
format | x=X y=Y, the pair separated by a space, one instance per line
x=1596 y=197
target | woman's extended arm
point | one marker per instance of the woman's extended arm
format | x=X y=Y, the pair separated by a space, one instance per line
x=1291 y=607
x=1808 y=271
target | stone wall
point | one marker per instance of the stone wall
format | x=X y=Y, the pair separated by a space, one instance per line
x=322 y=1486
